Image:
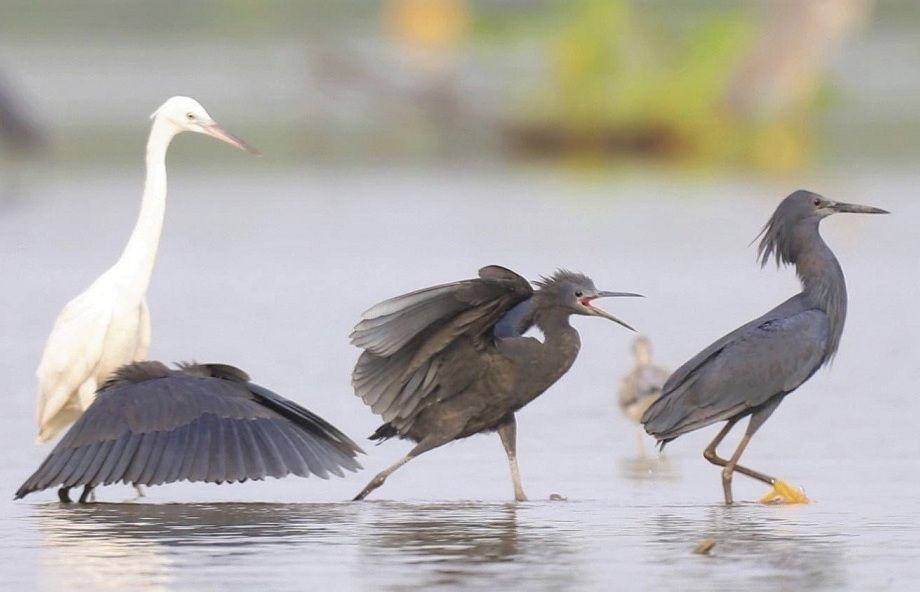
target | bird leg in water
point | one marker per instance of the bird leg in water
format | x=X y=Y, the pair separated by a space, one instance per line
x=732 y=464
x=140 y=492
x=712 y=456
x=508 y=433
x=781 y=492
x=381 y=477
x=423 y=446
x=85 y=496
x=64 y=495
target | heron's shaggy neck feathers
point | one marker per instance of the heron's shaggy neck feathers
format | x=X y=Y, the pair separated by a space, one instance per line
x=799 y=243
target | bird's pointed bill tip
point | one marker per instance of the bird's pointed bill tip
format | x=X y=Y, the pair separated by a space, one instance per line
x=216 y=131
x=605 y=294
x=594 y=311
x=848 y=208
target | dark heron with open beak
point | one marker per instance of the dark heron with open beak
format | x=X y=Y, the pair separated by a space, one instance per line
x=750 y=371
x=447 y=362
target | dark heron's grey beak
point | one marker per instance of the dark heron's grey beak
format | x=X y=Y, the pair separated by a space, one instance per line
x=845 y=208
x=594 y=311
x=214 y=130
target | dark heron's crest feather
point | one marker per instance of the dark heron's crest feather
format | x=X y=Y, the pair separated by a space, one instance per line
x=560 y=277
x=776 y=238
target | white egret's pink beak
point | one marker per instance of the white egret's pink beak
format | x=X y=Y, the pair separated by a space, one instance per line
x=214 y=130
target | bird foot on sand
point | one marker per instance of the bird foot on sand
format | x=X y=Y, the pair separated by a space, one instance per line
x=784 y=493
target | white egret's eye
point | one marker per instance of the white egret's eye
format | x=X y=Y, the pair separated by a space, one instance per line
x=190 y=116
x=579 y=294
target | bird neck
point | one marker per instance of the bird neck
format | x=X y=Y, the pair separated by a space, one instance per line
x=823 y=283
x=553 y=359
x=137 y=260
x=559 y=335
x=643 y=355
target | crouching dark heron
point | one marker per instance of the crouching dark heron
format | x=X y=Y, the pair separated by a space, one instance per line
x=447 y=362
x=750 y=371
x=150 y=425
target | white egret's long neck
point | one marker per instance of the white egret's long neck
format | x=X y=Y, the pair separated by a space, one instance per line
x=136 y=263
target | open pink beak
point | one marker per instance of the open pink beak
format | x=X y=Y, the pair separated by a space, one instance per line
x=216 y=131
x=594 y=311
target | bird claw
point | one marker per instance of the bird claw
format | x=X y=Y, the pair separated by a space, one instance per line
x=784 y=493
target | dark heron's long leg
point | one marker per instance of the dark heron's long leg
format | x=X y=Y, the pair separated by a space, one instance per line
x=712 y=456
x=508 y=433
x=377 y=481
x=64 y=495
x=381 y=477
x=85 y=496
x=758 y=418
x=733 y=464
x=729 y=467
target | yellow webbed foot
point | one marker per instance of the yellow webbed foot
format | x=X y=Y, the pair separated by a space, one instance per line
x=784 y=493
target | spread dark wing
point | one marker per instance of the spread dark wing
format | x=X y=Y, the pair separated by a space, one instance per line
x=404 y=339
x=758 y=362
x=151 y=425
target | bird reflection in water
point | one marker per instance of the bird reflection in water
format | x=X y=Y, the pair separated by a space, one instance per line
x=651 y=468
x=145 y=547
x=782 y=546
x=472 y=544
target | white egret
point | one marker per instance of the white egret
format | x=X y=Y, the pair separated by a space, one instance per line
x=108 y=325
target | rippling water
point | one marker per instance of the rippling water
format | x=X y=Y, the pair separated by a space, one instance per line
x=473 y=545
x=270 y=272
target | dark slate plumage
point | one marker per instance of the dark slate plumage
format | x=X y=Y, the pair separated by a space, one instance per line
x=408 y=339
x=451 y=361
x=750 y=370
x=151 y=425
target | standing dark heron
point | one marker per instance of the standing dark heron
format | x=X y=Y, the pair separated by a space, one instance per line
x=150 y=425
x=752 y=369
x=447 y=362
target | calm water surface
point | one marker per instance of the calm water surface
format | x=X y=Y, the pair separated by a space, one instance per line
x=270 y=271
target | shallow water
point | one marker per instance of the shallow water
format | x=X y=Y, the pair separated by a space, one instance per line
x=269 y=272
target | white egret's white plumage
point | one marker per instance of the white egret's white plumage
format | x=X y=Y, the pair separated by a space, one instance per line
x=108 y=325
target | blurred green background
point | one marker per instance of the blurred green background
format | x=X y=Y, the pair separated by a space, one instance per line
x=751 y=86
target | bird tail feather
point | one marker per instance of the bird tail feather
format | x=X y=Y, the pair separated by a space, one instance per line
x=384 y=432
